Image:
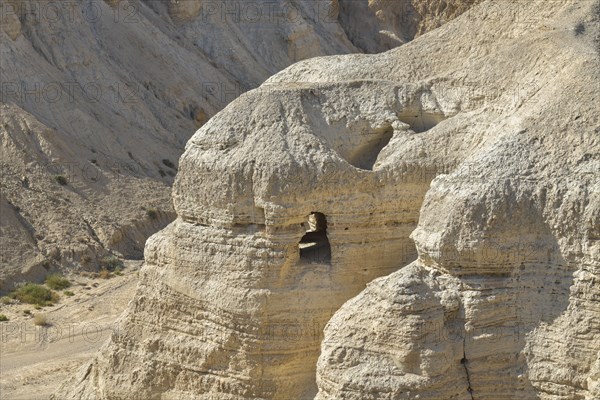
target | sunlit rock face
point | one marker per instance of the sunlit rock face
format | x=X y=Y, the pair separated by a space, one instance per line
x=422 y=222
x=86 y=83
x=270 y=240
x=502 y=302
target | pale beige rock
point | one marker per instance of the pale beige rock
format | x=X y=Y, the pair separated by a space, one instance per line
x=244 y=203
x=500 y=112
x=103 y=92
x=503 y=301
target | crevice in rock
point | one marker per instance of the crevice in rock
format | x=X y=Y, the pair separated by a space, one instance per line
x=465 y=363
x=314 y=246
x=129 y=238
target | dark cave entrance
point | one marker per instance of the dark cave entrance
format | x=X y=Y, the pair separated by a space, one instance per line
x=314 y=246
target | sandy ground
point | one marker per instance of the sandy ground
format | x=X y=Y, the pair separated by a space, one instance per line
x=35 y=360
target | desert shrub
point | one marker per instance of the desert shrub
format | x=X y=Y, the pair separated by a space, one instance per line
x=68 y=293
x=104 y=273
x=40 y=319
x=32 y=293
x=5 y=300
x=61 y=180
x=111 y=263
x=57 y=282
x=152 y=214
x=27 y=312
x=3 y=318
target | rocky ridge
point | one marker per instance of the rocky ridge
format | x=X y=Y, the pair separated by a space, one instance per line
x=85 y=83
x=460 y=168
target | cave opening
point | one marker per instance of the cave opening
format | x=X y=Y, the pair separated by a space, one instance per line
x=419 y=120
x=314 y=246
x=365 y=156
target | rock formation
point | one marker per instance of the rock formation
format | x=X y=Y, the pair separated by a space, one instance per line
x=461 y=169
x=85 y=83
x=379 y=25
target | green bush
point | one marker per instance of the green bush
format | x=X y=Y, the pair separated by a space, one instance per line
x=3 y=318
x=111 y=263
x=57 y=282
x=61 y=180
x=5 y=300
x=32 y=293
x=68 y=293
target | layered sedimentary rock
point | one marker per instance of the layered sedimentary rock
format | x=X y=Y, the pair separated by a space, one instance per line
x=502 y=302
x=461 y=168
x=270 y=240
x=105 y=94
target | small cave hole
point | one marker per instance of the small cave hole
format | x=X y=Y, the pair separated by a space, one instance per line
x=365 y=156
x=420 y=120
x=314 y=246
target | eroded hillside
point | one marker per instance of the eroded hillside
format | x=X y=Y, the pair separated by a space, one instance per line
x=99 y=98
x=461 y=169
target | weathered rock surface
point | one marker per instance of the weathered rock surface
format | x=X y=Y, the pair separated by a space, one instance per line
x=479 y=140
x=106 y=93
x=503 y=301
x=244 y=197
x=379 y=25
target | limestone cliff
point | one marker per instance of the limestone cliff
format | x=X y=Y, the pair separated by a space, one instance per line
x=461 y=168
x=99 y=98
x=84 y=84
